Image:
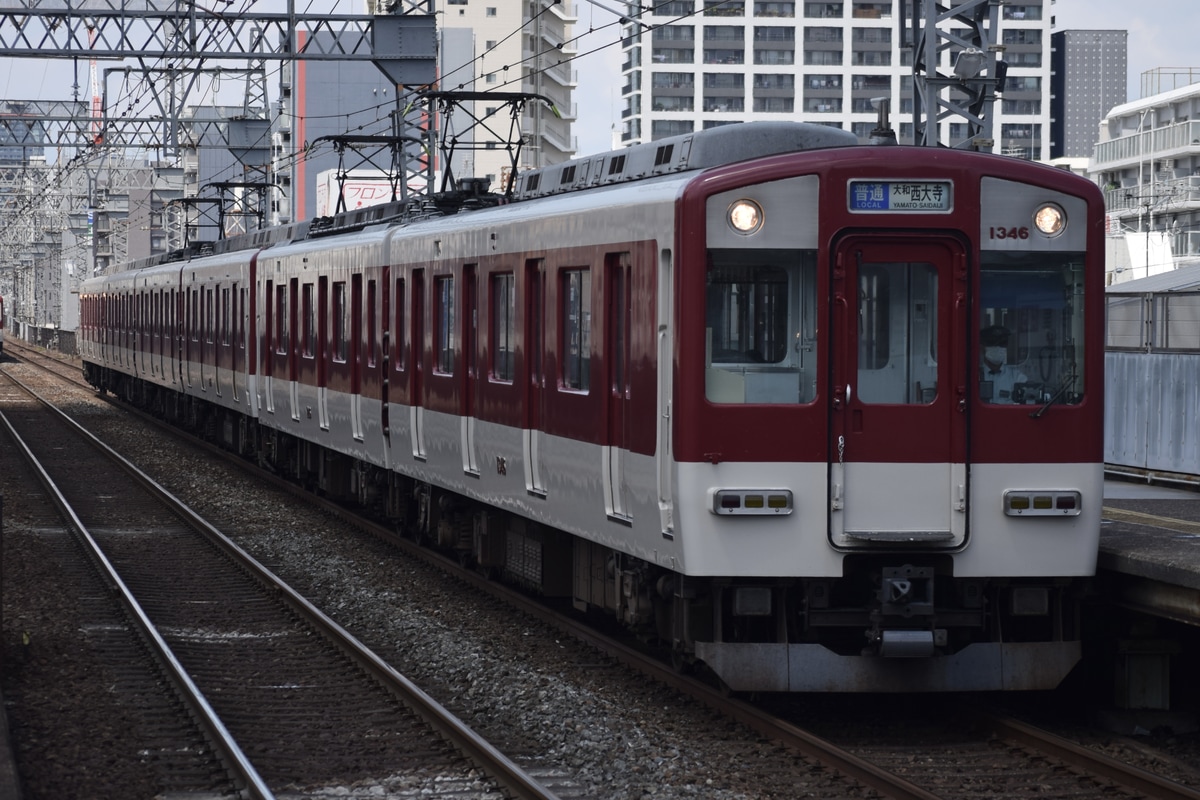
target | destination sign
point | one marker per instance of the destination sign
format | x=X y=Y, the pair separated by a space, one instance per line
x=890 y=197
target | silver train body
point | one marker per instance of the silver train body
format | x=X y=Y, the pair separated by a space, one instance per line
x=759 y=437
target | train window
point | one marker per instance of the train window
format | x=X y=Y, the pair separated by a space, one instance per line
x=444 y=325
x=194 y=322
x=225 y=318
x=760 y=325
x=281 y=326
x=308 y=315
x=897 y=332
x=576 y=293
x=1031 y=335
x=504 y=325
x=399 y=332
x=341 y=322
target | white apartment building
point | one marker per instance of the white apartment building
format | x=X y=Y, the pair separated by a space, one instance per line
x=513 y=47
x=1147 y=161
x=694 y=64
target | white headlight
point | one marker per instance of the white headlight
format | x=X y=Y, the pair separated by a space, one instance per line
x=745 y=216
x=1050 y=219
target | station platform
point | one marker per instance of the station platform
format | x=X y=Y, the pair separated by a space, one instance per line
x=1153 y=532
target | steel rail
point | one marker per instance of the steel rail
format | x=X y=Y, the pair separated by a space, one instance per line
x=231 y=754
x=478 y=750
x=1093 y=762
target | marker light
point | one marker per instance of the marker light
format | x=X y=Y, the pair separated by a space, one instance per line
x=1038 y=503
x=745 y=216
x=1050 y=219
x=751 y=502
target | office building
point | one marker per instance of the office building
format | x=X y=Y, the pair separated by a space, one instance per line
x=1088 y=77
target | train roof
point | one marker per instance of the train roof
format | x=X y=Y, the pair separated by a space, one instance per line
x=714 y=147
x=687 y=152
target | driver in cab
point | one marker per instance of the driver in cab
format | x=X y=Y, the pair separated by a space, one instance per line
x=997 y=377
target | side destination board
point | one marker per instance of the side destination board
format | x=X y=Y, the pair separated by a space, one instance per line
x=899 y=197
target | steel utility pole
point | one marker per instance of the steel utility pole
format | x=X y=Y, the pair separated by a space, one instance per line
x=976 y=71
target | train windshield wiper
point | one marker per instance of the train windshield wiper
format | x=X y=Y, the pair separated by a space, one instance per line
x=1067 y=384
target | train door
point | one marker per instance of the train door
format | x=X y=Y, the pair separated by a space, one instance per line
x=897 y=446
x=535 y=350
x=470 y=322
x=416 y=340
x=287 y=345
x=616 y=345
x=354 y=340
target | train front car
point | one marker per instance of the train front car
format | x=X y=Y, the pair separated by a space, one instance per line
x=888 y=420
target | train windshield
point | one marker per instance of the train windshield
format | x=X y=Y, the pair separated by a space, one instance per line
x=761 y=326
x=1031 y=333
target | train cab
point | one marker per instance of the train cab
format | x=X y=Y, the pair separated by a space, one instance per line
x=889 y=382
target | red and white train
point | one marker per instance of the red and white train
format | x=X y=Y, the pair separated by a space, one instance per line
x=822 y=416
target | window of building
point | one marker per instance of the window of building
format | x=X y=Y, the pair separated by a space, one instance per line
x=871 y=58
x=821 y=34
x=774 y=33
x=673 y=55
x=823 y=105
x=490 y=12
x=774 y=9
x=673 y=33
x=576 y=292
x=1021 y=106
x=724 y=33
x=1022 y=36
x=823 y=58
x=823 y=10
x=876 y=10
x=673 y=80
x=724 y=8
x=724 y=56
x=787 y=81
x=674 y=8
x=774 y=105
x=872 y=35
x=724 y=80
x=1021 y=12
x=724 y=105
x=775 y=57
x=669 y=103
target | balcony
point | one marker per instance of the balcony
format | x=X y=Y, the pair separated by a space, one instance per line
x=1168 y=141
x=1169 y=196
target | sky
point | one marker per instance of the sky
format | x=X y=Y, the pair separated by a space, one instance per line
x=1162 y=33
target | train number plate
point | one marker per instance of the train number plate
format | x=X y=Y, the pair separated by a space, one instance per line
x=892 y=197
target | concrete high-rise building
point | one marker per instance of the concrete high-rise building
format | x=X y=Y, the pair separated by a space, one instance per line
x=515 y=47
x=694 y=64
x=1088 y=78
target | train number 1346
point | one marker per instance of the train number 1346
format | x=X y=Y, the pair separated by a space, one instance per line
x=1008 y=233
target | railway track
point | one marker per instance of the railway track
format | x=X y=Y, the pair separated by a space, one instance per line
x=1004 y=759
x=287 y=700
